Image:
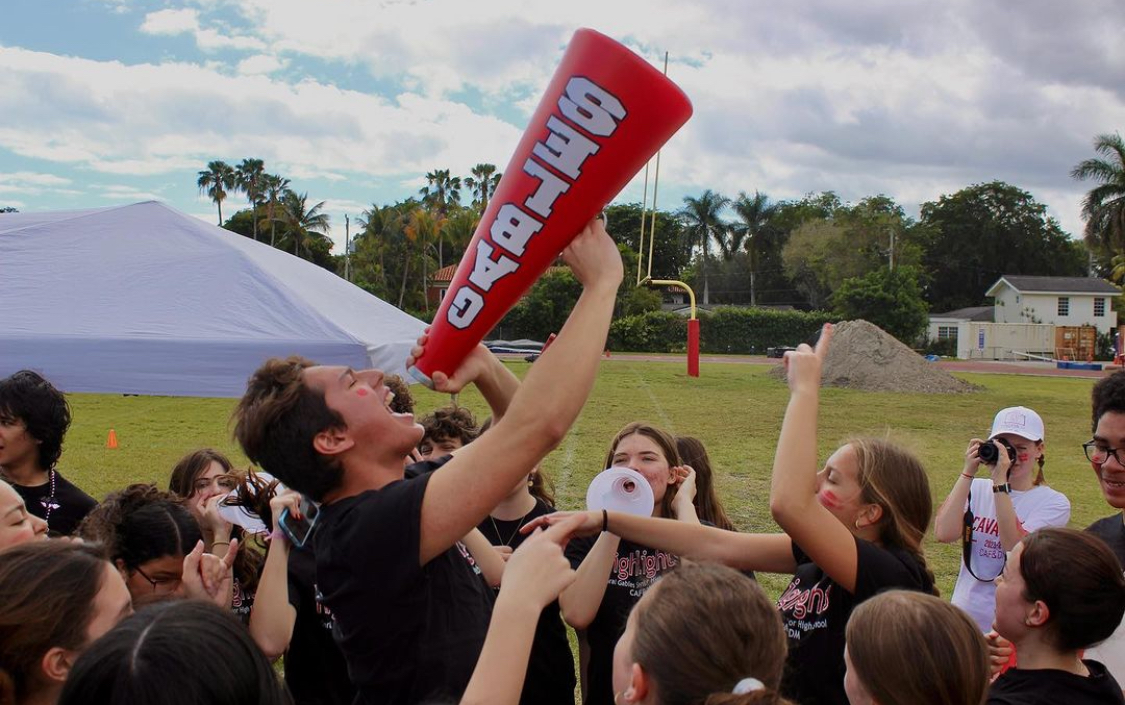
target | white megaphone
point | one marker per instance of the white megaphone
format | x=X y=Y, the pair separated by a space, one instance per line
x=620 y=489
x=241 y=516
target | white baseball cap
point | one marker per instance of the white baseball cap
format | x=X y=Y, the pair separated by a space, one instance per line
x=1020 y=421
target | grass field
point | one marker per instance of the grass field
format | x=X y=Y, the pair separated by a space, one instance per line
x=735 y=409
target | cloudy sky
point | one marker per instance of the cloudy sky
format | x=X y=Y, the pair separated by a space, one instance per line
x=105 y=102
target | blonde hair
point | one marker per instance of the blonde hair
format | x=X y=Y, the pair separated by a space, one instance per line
x=704 y=628
x=893 y=478
x=948 y=665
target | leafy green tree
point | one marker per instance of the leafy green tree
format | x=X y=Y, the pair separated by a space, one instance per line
x=544 y=308
x=670 y=251
x=274 y=189
x=1104 y=206
x=457 y=230
x=483 y=183
x=810 y=259
x=216 y=181
x=702 y=221
x=753 y=216
x=249 y=178
x=891 y=300
x=984 y=231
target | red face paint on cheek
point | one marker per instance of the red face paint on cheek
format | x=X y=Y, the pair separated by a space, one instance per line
x=361 y=392
x=829 y=499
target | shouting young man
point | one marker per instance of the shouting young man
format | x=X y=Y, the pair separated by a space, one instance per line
x=411 y=611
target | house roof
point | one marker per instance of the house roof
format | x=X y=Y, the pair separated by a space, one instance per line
x=972 y=313
x=1054 y=285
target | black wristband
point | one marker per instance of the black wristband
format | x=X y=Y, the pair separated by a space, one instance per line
x=1005 y=488
x=605 y=521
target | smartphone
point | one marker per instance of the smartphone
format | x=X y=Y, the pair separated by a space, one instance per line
x=299 y=531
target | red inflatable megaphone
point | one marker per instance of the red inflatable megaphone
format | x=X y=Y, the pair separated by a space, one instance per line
x=606 y=112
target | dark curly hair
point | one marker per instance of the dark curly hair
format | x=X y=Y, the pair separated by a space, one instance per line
x=1108 y=395
x=450 y=422
x=26 y=396
x=276 y=421
x=403 y=401
x=141 y=523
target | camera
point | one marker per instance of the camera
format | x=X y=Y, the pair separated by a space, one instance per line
x=989 y=455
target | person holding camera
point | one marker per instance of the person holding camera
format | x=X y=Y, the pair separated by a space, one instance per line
x=992 y=514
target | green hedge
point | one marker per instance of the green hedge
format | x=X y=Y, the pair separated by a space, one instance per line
x=747 y=331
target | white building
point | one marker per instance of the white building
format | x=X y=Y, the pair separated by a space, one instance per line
x=1059 y=301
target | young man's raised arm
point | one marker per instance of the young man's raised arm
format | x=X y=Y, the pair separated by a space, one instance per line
x=462 y=493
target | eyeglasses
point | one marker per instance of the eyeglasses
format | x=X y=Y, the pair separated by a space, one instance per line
x=163 y=586
x=1097 y=453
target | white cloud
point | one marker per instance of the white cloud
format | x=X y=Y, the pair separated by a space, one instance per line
x=170 y=22
x=186 y=21
x=260 y=64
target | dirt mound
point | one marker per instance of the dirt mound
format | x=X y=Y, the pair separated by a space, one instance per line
x=864 y=356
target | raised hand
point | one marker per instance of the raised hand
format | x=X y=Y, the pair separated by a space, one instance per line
x=289 y=499
x=594 y=258
x=803 y=365
x=208 y=577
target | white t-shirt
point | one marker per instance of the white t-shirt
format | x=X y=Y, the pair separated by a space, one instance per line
x=1035 y=508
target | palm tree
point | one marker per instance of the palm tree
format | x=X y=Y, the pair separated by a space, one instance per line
x=301 y=221
x=1117 y=271
x=442 y=192
x=1104 y=206
x=753 y=215
x=483 y=184
x=458 y=229
x=700 y=217
x=274 y=188
x=249 y=177
x=217 y=180
x=423 y=227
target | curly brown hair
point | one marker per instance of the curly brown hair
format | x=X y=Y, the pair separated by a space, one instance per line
x=450 y=422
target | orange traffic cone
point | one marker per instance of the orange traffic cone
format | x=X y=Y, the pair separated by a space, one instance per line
x=111 y=441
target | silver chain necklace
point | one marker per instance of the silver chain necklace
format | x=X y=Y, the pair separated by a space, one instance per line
x=49 y=502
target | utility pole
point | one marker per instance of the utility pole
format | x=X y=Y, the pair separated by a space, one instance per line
x=347 y=249
x=892 y=249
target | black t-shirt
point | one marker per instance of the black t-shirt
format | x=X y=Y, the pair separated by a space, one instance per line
x=1049 y=686
x=69 y=505
x=635 y=569
x=241 y=601
x=1112 y=531
x=550 y=670
x=409 y=633
x=315 y=670
x=815 y=611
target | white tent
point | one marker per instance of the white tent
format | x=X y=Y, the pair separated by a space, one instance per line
x=144 y=299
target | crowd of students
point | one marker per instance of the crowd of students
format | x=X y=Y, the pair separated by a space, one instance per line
x=437 y=569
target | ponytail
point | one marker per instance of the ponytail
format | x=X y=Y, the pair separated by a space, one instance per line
x=1039 y=478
